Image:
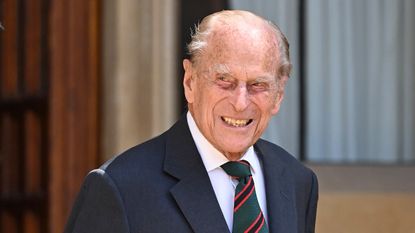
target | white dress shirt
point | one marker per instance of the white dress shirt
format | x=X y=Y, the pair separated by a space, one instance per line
x=222 y=183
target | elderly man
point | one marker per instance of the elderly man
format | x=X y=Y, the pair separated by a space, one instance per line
x=210 y=172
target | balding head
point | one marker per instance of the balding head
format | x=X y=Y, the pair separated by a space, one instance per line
x=242 y=26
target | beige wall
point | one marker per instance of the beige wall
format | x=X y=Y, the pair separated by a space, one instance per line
x=366 y=199
x=375 y=212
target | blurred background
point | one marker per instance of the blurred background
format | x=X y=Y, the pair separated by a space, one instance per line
x=81 y=81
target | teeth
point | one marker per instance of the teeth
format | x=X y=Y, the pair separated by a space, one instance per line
x=235 y=122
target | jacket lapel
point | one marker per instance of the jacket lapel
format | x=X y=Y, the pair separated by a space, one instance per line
x=281 y=215
x=193 y=192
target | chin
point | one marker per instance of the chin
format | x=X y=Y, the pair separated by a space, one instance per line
x=241 y=148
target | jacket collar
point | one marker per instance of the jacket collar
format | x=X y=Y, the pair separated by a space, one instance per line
x=281 y=214
x=193 y=192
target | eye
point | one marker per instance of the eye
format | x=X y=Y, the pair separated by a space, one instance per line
x=224 y=82
x=258 y=86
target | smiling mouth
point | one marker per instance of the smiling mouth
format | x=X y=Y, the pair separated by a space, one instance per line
x=236 y=122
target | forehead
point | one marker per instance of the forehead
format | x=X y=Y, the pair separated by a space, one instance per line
x=249 y=48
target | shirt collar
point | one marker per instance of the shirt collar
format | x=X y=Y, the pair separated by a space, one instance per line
x=211 y=157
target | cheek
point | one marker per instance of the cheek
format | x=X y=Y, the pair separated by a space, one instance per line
x=265 y=105
x=210 y=99
x=205 y=104
x=274 y=104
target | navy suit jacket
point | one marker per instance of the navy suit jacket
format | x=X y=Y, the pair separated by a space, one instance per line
x=162 y=186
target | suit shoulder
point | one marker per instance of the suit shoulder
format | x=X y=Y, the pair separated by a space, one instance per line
x=283 y=156
x=272 y=149
x=144 y=155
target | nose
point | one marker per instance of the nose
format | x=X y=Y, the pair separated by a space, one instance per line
x=240 y=98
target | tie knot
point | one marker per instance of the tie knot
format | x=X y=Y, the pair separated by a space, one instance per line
x=238 y=169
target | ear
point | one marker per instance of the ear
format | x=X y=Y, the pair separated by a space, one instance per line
x=277 y=103
x=188 y=82
x=280 y=95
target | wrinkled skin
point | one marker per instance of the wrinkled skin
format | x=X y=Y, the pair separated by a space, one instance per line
x=232 y=90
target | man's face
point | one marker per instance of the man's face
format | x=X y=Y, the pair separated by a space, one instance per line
x=232 y=94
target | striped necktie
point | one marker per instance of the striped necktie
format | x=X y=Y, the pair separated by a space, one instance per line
x=247 y=215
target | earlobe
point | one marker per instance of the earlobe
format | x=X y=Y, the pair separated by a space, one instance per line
x=277 y=103
x=188 y=80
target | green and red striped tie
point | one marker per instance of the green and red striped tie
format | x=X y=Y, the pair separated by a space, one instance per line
x=247 y=215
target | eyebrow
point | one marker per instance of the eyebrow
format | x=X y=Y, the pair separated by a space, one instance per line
x=220 y=69
x=264 y=78
x=223 y=69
